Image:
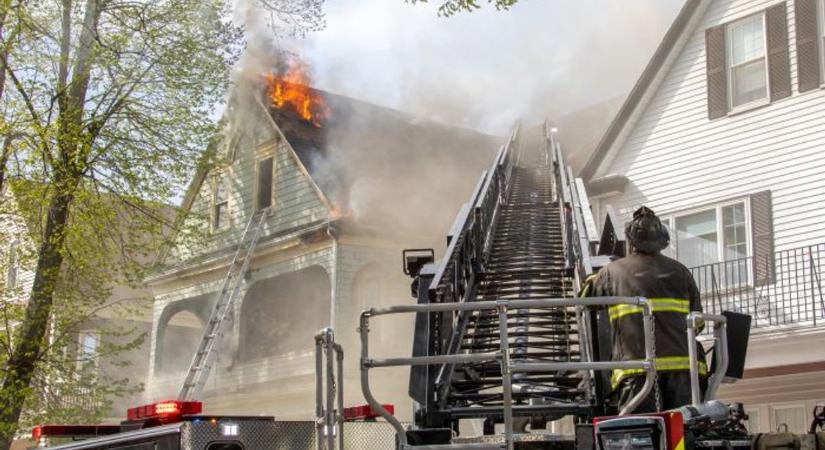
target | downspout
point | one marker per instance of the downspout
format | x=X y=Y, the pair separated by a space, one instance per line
x=333 y=275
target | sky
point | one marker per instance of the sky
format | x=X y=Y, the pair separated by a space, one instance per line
x=485 y=69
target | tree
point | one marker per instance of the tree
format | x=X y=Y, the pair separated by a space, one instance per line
x=106 y=109
x=451 y=7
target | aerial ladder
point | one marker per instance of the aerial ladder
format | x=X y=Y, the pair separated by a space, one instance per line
x=500 y=335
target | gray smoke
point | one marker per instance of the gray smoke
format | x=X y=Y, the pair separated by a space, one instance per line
x=486 y=69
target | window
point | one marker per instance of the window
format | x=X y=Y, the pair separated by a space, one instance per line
x=220 y=204
x=792 y=418
x=747 y=62
x=713 y=235
x=264 y=197
x=753 y=420
x=87 y=349
x=13 y=264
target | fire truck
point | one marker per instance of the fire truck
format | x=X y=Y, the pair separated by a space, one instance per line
x=168 y=425
x=500 y=338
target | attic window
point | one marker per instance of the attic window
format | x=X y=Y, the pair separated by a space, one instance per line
x=748 y=63
x=220 y=204
x=264 y=197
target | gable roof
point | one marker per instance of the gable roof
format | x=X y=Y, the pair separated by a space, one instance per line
x=384 y=171
x=644 y=89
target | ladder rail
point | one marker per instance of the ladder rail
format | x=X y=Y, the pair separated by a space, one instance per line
x=202 y=360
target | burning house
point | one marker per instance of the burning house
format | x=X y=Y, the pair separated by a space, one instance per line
x=347 y=185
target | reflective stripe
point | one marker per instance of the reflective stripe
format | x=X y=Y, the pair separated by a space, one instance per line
x=663 y=363
x=588 y=283
x=658 y=304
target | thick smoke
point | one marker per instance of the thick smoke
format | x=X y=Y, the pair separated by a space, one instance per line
x=486 y=69
x=406 y=175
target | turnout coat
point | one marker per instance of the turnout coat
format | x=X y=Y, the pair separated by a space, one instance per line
x=672 y=292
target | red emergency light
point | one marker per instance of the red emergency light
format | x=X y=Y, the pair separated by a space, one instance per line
x=365 y=412
x=165 y=411
x=42 y=431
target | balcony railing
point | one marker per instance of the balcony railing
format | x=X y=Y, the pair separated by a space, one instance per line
x=782 y=289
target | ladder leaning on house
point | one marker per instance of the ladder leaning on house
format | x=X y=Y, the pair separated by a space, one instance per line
x=204 y=357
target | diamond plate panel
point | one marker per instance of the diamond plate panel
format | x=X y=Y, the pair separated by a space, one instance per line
x=254 y=434
x=262 y=434
x=369 y=436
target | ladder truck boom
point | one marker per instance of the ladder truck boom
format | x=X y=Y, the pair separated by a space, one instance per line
x=500 y=335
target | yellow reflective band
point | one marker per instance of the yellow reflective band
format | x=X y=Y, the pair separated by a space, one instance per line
x=664 y=363
x=658 y=304
x=680 y=445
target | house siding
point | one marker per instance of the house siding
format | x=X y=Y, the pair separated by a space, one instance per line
x=677 y=159
x=297 y=202
x=13 y=226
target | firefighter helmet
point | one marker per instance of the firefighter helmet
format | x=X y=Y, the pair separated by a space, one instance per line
x=646 y=233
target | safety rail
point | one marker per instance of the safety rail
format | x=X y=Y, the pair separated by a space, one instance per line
x=329 y=418
x=778 y=289
x=695 y=322
x=577 y=219
x=578 y=229
x=503 y=355
x=468 y=242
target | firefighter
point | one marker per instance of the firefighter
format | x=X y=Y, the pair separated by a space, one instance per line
x=672 y=292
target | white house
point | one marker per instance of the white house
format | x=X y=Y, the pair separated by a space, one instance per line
x=723 y=137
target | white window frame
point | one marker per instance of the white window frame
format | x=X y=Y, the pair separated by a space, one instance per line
x=670 y=221
x=218 y=179
x=729 y=67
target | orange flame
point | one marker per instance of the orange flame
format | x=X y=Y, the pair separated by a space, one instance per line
x=292 y=91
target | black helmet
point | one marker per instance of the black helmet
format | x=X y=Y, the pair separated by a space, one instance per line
x=646 y=233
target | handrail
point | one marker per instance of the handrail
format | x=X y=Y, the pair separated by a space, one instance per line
x=503 y=355
x=327 y=418
x=695 y=321
x=469 y=241
x=575 y=217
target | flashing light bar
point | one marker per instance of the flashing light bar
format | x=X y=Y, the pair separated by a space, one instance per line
x=165 y=411
x=42 y=431
x=365 y=412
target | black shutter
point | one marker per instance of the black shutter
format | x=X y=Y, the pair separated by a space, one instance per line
x=807 y=49
x=717 y=72
x=762 y=237
x=779 y=71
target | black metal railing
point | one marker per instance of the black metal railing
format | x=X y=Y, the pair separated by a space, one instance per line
x=781 y=289
x=577 y=240
x=468 y=245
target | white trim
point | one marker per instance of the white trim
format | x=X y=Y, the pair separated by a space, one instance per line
x=738 y=109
